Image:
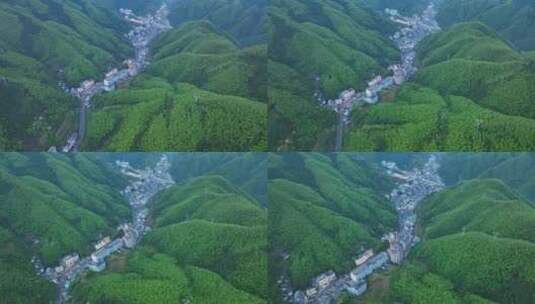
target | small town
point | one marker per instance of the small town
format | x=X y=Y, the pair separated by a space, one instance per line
x=412 y=187
x=413 y=30
x=144 y=184
x=145 y=30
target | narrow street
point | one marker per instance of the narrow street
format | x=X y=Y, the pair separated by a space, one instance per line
x=412 y=188
x=144 y=184
x=145 y=30
x=413 y=30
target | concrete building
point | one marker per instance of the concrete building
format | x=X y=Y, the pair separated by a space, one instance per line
x=364 y=270
x=97 y=267
x=323 y=280
x=364 y=257
x=105 y=241
x=311 y=292
x=130 y=235
x=357 y=288
x=70 y=260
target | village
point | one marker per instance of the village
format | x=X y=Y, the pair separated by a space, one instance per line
x=413 y=186
x=144 y=184
x=145 y=30
x=413 y=30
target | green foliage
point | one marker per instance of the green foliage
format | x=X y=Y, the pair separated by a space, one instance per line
x=201 y=93
x=44 y=42
x=498 y=269
x=51 y=205
x=184 y=118
x=344 y=43
x=245 y=20
x=513 y=20
x=157 y=278
x=208 y=245
x=17 y=275
x=477 y=245
x=324 y=210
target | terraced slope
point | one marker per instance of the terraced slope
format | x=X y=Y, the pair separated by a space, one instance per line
x=473 y=93
x=323 y=210
x=51 y=205
x=343 y=43
x=208 y=245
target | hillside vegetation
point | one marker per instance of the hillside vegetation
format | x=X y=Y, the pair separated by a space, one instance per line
x=324 y=210
x=51 y=205
x=515 y=170
x=44 y=42
x=245 y=20
x=514 y=20
x=477 y=248
x=344 y=43
x=472 y=93
x=208 y=245
x=201 y=93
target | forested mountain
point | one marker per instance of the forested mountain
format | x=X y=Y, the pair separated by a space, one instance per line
x=208 y=242
x=204 y=91
x=44 y=42
x=51 y=205
x=477 y=247
x=515 y=170
x=514 y=20
x=245 y=20
x=206 y=88
x=324 y=210
x=201 y=92
x=473 y=93
x=327 y=45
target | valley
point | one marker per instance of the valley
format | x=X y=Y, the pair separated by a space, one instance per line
x=464 y=82
x=143 y=186
x=146 y=29
x=79 y=75
x=413 y=30
x=103 y=227
x=413 y=187
x=436 y=220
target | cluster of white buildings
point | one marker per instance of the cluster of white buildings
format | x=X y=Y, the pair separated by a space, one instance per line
x=145 y=30
x=144 y=184
x=413 y=30
x=414 y=186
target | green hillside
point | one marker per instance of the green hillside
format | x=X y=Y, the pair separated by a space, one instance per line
x=245 y=20
x=472 y=93
x=201 y=93
x=51 y=205
x=44 y=42
x=515 y=170
x=342 y=42
x=477 y=248
x=231 y=166
x=324 y=210
x=514 y=20
x=208 y=245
